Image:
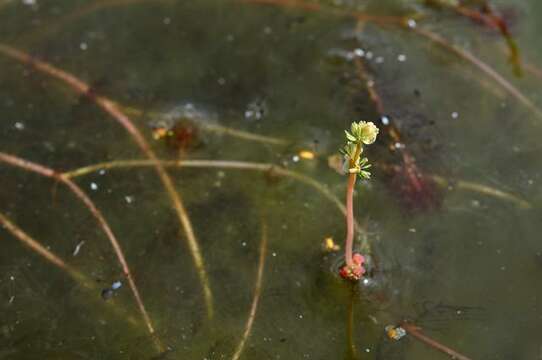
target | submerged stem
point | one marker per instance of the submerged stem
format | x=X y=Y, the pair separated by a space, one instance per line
x=97 y=214
x=55 y=260
x=257 y=292
x=112 y=109
x=225 y=164
x=415 y=331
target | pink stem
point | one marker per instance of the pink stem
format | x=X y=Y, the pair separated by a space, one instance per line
x=416 y=332
x=349 y=220
x=50 y=173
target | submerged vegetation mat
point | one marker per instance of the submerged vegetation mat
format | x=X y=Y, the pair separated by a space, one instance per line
x=172 y=185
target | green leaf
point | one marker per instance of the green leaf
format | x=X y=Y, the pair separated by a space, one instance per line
x=349 y=136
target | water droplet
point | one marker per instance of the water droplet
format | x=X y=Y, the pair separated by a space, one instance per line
x=411 y=23
x=359 y=52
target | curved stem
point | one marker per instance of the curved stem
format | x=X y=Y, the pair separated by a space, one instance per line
x=89 y=204
x=55 y=260
x=257 y=292
x=214 y=128
x=111 y=108
x=225 y=164
x=415 y=331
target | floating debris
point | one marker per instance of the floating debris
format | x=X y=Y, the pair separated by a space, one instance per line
x=307 y=155
x=330 y=245
x=395 y=333
x=78 y=248
x=108 y=293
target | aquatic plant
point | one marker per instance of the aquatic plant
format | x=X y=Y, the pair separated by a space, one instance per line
x=360 y=133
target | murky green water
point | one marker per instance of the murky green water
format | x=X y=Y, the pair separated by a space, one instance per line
x=462 y=260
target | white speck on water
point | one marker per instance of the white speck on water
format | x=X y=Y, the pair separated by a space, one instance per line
x=455 y=115
x=401 y=58
x=243 y=244
x=93 y=186
x=267 y=30
x=83 y=46
x=385 y=120
x=399 y=145
x=412 y=230
x=116 y=285
x=29 y=2
x=300 y=316
x=379 y=60
x=12 y=278
x=167 y=21
x=369 y=55
x=365 y=281
x=475 y=203
x=411 y=23
x=295 y=158
x=503 y=268
x=129 y=199
x=78 y=248
x=459 y=312
x=274 y=254
x=530 y=181
x=359 y=52
x=230 y=37
x=11 y=299
x=367 y=350
x=221 y=81
x=101 y=172
x=221 y=174
x=19 y=125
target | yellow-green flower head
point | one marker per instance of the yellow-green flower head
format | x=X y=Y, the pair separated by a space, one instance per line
x=364 y=131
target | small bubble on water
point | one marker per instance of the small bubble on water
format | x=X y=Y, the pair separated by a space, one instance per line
x=401 y=58
x=295 y=158
x=129 y=199
x=19 y=125
x=83 y=46
x=385 y=120
x=93 y=186
x=379 y=60
x=101 y=172
x=167 y=21
x=221 y=81
x=455 y=115
x=274 y=254
x=411 y=23
x=369 y=55
x=359 y=52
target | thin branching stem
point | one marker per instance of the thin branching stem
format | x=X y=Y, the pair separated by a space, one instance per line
x=210 y=127
x=49 y=256
x=97 y=214
x=257 y=293
x=224 y=164
x=111 y=108
x=433 y=37
x=416 y=332
x=482 y=66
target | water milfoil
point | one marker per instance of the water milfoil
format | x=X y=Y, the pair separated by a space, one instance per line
x=361 y=133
